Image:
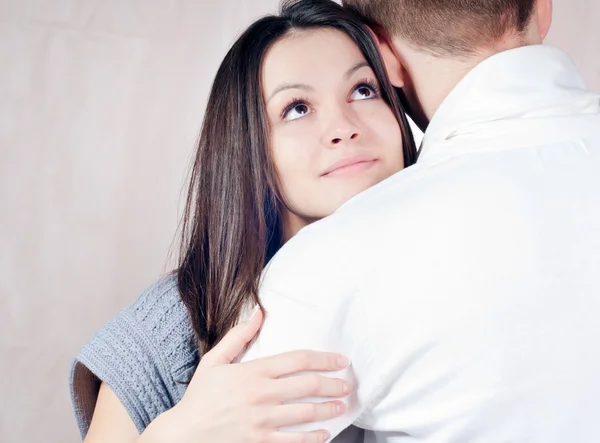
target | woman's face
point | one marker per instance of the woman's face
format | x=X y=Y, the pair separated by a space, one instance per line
x=332 y=135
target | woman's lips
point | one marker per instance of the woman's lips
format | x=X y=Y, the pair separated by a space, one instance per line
x=350 y=165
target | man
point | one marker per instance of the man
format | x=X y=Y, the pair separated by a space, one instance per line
x=465 y=289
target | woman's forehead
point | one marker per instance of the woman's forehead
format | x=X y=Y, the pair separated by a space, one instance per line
x=312 y=55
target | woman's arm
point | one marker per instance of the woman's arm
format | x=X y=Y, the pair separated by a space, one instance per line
x=244 y=402
x=111 y=422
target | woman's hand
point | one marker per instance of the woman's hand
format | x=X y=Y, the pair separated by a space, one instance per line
x=248 y=402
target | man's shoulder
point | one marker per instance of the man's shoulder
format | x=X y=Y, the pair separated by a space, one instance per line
x=404 y=198
x=334 y=247
x=415 y=200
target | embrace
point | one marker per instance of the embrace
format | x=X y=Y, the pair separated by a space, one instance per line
x=337 y=282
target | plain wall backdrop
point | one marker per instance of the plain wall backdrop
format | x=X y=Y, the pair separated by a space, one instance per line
x=100 y=106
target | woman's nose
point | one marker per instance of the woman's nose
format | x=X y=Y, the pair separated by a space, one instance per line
x=337 y=140
x=341 y=130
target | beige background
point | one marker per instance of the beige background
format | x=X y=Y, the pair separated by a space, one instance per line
x=100 y=104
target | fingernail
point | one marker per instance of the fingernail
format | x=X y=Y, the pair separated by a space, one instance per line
x=347 y=388
x=340 y=408
x=253 y=313
x=342 y=361
x=326 y=436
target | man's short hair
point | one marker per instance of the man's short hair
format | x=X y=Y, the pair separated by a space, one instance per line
x=447 y=27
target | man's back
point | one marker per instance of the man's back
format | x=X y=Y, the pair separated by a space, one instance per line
x=494 y=330
x=465 y=289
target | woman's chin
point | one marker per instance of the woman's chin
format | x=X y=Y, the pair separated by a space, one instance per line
x=342 y=195
x=351 y=188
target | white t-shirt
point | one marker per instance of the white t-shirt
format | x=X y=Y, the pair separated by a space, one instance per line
x=465 y=289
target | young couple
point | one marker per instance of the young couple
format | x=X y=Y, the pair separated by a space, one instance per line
x=454 y=301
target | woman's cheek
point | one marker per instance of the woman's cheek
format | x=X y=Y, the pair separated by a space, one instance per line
x=383 y=122
x=292 y=159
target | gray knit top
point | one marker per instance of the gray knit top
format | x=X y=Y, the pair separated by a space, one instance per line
x=145 y=354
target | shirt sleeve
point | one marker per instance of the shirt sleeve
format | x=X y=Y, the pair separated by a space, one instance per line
x=295 y=322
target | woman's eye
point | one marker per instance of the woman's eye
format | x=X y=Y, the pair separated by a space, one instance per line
x=363 y=92
x=296 y=111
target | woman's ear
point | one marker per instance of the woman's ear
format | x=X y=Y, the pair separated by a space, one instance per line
x=393 y=66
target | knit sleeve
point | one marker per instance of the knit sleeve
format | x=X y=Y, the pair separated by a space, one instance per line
x=144 y=354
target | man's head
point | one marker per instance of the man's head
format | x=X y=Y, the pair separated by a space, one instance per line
x=447 y=38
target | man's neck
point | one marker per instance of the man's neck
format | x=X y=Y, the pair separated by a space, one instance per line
x=432 y=78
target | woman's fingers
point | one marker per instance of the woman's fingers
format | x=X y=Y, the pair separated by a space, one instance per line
x=301 y=413
x=310 y=385
x=235 y=341
x=300 y=361
x=320 y=436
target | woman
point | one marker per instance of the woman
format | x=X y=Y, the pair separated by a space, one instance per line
x=300 y=119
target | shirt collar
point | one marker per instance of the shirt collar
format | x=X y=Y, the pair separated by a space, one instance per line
x=523 y=84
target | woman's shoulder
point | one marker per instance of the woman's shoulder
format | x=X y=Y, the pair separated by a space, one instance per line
x=146 y=353
x=159 y=306
x=163 y=318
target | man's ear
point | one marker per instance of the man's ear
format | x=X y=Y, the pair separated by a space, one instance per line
x=544 y=16
x=393 y=66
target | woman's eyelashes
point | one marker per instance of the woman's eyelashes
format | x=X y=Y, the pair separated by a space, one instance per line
x=365 y=89
x=297 y=108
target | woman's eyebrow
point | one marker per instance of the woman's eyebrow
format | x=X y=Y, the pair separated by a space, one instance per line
x=307 y=88
x=286 y=86
x=355 y=68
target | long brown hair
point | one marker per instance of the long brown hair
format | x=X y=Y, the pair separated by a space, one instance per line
x=232 y=225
